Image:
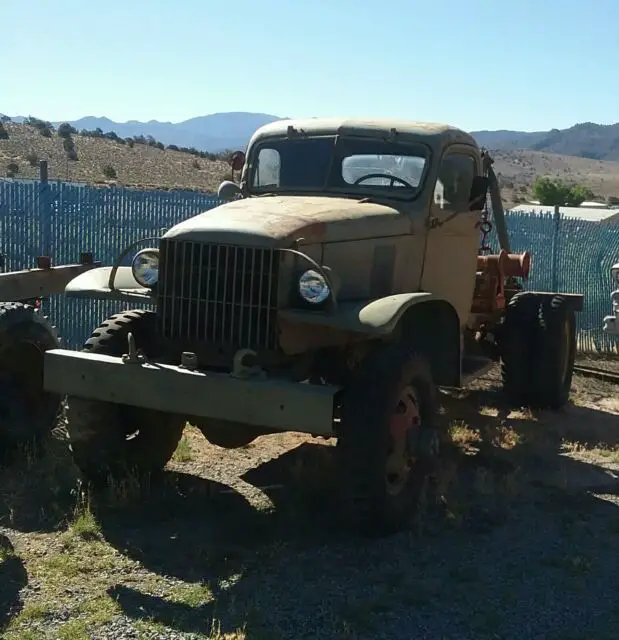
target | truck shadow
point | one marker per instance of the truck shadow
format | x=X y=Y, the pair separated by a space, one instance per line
x=574 y=448
x=507 y=498
x=38 y=490
x=13 y=578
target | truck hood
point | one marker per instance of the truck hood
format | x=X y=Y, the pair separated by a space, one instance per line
x=273 y=221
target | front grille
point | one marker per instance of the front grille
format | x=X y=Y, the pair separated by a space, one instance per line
x=220 y=294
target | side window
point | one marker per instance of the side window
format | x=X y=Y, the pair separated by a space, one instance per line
x=455 y=178
x=266 y=170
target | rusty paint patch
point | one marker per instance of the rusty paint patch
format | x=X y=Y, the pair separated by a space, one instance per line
x=315 y=232
x=279 y=217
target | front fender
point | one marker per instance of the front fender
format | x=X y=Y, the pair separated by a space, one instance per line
x=94 y=284
x=374 y=317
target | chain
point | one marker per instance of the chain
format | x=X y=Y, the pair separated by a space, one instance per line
x=485 y=227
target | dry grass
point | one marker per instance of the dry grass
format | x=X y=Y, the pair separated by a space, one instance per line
x=518 y=170
x=183 y=451
x=238 y=544
x=141 y=165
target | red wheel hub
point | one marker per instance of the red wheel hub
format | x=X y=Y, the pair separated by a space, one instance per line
x=400 y=461
x=406 y=415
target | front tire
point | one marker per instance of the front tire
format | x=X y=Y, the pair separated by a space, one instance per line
x=112 y=442
x=27 y=412
x=387 y=441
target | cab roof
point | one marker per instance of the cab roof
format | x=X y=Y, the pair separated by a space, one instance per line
x=435 y=134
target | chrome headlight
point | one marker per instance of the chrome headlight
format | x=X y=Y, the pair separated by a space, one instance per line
x=145 y=267
x=313 y=287
x=614 y=272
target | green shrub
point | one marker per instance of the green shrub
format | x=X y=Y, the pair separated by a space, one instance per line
x=109 y=172
x=65 y=130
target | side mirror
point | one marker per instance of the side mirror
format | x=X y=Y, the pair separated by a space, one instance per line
x=479 y=192
x=228 y=190
x=237 y=160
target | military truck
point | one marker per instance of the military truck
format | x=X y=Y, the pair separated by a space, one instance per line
x=611 y=323
x=346 y=278
x=28 y=413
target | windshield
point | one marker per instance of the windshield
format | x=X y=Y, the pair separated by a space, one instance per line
x=350 y=165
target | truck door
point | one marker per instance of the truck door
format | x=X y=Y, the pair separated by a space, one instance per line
x=453 y=237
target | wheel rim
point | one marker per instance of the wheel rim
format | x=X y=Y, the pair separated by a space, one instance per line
x=404 y=417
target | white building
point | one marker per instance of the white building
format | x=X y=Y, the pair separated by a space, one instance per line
x=593 y=213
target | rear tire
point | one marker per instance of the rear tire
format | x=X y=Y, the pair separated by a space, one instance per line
x=112 y=442
x=555 y=353
x=377 y=498
x=27 y=413
x=517 y=347
x=538 y=348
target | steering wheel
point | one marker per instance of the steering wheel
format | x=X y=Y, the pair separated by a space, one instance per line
x=393 y=179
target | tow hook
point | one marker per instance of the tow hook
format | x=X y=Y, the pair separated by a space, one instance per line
x=189 y=361
x=241 y=370
x=132 y=357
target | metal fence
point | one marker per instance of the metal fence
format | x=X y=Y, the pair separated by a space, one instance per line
x=61 y=220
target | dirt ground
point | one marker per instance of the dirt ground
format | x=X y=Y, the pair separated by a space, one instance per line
x=521 y=540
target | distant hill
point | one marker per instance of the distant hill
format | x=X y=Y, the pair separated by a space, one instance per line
x=152 y=165
x=518 y=168
x=229 y=131
x=140 y=165
x=586 y=140
x=215 y=132
x=505 y=140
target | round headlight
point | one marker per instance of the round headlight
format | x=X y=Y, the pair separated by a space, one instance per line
x=614 y=272
x=145 y=267
x=313 y=287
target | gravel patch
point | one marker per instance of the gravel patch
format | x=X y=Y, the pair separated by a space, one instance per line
x=242 y=544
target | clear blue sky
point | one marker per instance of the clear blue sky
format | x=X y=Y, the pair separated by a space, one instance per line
x=491 y=64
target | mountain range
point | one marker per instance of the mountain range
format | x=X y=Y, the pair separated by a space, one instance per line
x=215 y=132
x=232 y=130
x=586 y=140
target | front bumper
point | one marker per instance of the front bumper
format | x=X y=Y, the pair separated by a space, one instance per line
x=611 y=323
x=263 y=402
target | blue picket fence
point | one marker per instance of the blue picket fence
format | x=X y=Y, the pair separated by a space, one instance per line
x=61 y=219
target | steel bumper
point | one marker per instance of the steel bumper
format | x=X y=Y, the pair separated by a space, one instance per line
x=263 y=402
